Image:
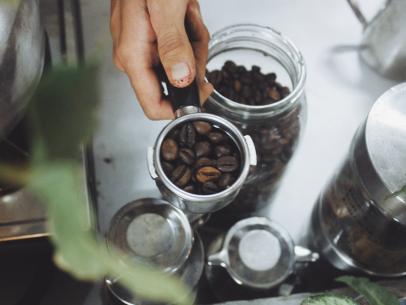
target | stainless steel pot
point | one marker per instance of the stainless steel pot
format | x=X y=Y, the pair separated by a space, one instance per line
x=22 y=47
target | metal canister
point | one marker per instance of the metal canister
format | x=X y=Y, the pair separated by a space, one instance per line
x=359 y=221
x=252 y=259
x=151 y=231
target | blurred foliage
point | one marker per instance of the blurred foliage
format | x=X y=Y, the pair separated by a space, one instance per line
x=63 y=116
x=374 y=293
x=328 y=299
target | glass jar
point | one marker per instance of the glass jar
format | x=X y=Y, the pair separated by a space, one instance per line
x=359 y=221
x=275 y=128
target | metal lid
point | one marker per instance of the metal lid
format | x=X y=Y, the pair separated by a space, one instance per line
x=256 y=252
x=383 y=166
x=152 y=231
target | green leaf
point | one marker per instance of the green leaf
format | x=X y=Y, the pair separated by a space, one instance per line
x=63 y=110
x=328 y=299
x=62 y=115
x=374 y=293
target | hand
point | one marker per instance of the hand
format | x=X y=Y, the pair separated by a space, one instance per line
x=146 y=32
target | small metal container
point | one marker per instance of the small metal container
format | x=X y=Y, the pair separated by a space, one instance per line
x=359 y=221
x=254 y=257
x=151 y=231
x=187 y=109
x=193 y=203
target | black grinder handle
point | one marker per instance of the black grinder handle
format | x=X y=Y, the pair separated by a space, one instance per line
x=180 y=97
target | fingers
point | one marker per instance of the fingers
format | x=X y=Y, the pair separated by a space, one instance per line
x=115 y=29
x=174 y=48
x=136 y=51
x=199 y=37
x=148 y=91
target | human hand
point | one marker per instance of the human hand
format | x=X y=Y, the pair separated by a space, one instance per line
x=147 y=32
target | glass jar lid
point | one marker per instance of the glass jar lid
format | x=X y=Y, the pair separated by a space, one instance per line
x=257 y=253
x=152 y=231
x=381 y=152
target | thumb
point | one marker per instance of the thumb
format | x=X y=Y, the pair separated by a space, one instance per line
x=174 y=48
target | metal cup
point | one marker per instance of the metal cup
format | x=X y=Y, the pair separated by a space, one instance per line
x=151 y=231
x=187 y=109
x=255 y=255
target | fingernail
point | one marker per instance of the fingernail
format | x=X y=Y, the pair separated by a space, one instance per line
x=180 y=73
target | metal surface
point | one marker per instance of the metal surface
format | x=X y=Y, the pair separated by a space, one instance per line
x=152 y=231
x=385 y=143
x=23 y=216
x=384 y=39
x=22 y=46
x=190 y=274
x=193 y=203
x=257 y=253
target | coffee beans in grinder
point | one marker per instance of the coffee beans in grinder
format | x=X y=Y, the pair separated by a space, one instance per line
x=199 y=161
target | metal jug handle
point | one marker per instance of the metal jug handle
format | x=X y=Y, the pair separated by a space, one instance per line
x=358 y=13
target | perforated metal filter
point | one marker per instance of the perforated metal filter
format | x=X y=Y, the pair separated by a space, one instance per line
x=256 y=252
x=152 y=231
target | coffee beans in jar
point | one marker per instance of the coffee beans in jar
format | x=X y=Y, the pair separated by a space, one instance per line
x=247 y=86
x=200 y=158
x=359 y=221
x=275 y=139
x=259 y=79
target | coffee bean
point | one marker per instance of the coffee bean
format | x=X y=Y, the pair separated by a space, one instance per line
x=285 y=91
x=216 y=137
x=174 y=134
x=227 y=164
x=187 y=136
x=275 y=140
x=274 y=94
x=215 y=77
x=181 y=175
x=270 y=78
x=168 y=168
x=222 y=150
x=237 y=86
x=189 y=189
x=202 y=127
x=187 y=156
x=202 y=149
x=207 y=173
x=204 y=162
x=209 y=188
x=225 y=181
x=169 y=150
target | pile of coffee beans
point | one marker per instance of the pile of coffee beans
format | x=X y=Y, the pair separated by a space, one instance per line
x=200 y=158
x=275 y=138
x=250 y=87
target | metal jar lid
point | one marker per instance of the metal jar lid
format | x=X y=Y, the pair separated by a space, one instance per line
x=152 y=231
x=257 y=253
x=380 y=153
